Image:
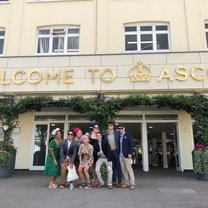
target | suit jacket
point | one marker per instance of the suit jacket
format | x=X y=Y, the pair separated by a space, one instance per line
x=64 y=151
x=116 y=136
x=105 y=147
x=127 y=144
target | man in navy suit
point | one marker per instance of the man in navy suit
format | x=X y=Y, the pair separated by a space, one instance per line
x=68 y=148
x=126 y=148
x=112 y=136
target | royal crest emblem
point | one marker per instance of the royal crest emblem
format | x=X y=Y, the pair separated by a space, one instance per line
x=140 y=73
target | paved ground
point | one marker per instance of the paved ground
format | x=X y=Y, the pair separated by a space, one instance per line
x=154 y=190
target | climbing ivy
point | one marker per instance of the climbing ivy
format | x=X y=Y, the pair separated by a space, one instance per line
x=103 y=111
x=10 y=112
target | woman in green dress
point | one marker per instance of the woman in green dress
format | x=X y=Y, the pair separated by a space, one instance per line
x=52 y=167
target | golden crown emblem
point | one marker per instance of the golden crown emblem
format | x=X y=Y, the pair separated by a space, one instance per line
x=140 y=73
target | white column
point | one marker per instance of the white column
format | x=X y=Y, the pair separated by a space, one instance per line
x=164 y=147
x=154 y=153
x=145 y=161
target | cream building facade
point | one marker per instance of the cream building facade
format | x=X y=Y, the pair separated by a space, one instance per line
x=89 y=47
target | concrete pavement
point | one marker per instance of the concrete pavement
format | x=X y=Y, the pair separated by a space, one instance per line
x=169 y=189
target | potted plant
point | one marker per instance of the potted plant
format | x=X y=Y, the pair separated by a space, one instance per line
x=7 y=156
x=200 y=161
x=4 y=158
x=9 y=120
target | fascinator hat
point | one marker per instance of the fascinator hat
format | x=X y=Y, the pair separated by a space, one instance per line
x=76 y=130
x=87 y=134
x=55 y=131
x=93 y=124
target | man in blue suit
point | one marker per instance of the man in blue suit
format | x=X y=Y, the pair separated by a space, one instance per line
x=112 y=136
x=126 y=148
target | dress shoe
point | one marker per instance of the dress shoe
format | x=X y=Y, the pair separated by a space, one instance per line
x=124 y=185
x=62 y=186
x=132 y=187
x=100 y=186
x=110 y=186
x=118 y=185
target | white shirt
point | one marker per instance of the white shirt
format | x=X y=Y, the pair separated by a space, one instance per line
x=69 y=144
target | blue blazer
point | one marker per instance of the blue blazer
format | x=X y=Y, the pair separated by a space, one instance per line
x=127 y=144
x=116 y=136
x=64 y=151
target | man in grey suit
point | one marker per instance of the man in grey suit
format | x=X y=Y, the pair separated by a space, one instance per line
x=68 y=148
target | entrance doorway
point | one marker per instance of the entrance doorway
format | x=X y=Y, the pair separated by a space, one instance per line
x=162 y=145
x=155 y=137
x=41 y=142
x=42 y=137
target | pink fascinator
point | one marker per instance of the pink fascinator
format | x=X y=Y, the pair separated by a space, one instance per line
x=76 y=130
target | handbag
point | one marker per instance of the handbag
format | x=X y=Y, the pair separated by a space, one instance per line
x=72 y=174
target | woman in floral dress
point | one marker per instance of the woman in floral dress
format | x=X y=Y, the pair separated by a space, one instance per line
x=86 y=160
x=52 y=167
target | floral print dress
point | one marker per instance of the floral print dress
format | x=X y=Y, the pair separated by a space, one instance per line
x=86 y=151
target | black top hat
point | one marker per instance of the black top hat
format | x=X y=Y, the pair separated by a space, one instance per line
x=121 y=126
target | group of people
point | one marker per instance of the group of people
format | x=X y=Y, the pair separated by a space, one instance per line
x=87 y=153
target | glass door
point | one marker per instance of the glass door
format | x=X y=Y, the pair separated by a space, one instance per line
x=42 y=137
x=163 y=146
x=39 y=146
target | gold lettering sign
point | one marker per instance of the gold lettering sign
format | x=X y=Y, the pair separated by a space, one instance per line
x=48 y=76
x=165 y=75
x=197 y=77
x=68 y=76
x=93 y=71
x=35 y=81
x=14 y=77
x=3 y=81
x=181 y=70
x=138 y=73
x=105 y=79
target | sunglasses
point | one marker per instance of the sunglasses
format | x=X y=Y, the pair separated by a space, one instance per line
x=110 y=124
x=70 y=134
x=121 y=127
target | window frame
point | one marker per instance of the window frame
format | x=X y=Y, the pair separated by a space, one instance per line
x=206 y=33
x=154 y=34
x=43 y=1
x=51 y=38
x=4 y=1
x=2 y=37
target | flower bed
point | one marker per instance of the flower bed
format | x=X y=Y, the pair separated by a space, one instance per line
x=4 y=158
x=200 y=160
x=7 y=158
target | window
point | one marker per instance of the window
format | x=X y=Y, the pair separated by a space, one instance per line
x=206 y=33
x=147 y=37
x=52 y=0
x=58 y=40
x=2 y=34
